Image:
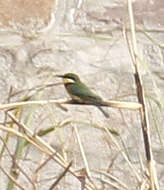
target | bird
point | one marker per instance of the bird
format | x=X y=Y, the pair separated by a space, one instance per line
x=81 y=93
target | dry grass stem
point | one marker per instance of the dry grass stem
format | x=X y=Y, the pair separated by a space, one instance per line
x=41 y=145
x=123 y=154
x=60 y=177
x=113 y=178
x=12 y=178
x=141 y=97
x=111 y=103
x=82 y=152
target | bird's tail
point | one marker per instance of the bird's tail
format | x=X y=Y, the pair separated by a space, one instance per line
x=103 y=111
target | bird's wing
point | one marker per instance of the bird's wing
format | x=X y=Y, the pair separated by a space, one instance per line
x=84 y=93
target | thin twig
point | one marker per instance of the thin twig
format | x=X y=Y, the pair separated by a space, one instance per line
x=15 y=163
x=41 y=145
x=141 y=98
x=124 y=155
x=82 y=151
x=61 y=176
x=11 y=178
x=111 y=103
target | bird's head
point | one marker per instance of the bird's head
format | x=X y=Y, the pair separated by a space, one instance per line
x=69 y=78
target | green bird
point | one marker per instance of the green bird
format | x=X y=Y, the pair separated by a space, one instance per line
x=79 y=92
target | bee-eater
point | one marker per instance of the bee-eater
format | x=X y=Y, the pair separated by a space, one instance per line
x=79 y=92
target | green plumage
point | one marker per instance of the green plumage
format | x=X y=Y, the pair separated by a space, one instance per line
x=80 y=92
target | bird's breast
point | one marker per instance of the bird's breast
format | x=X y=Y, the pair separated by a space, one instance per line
x=72 y=91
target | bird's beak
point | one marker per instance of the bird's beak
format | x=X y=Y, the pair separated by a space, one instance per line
x=61 y=76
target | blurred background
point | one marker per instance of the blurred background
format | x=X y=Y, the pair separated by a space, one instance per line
x=39 y=39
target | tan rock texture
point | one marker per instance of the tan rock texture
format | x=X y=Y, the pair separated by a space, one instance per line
x=23 y=11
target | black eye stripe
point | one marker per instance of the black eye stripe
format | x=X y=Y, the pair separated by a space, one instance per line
x=69 y=77
x=72 y=78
